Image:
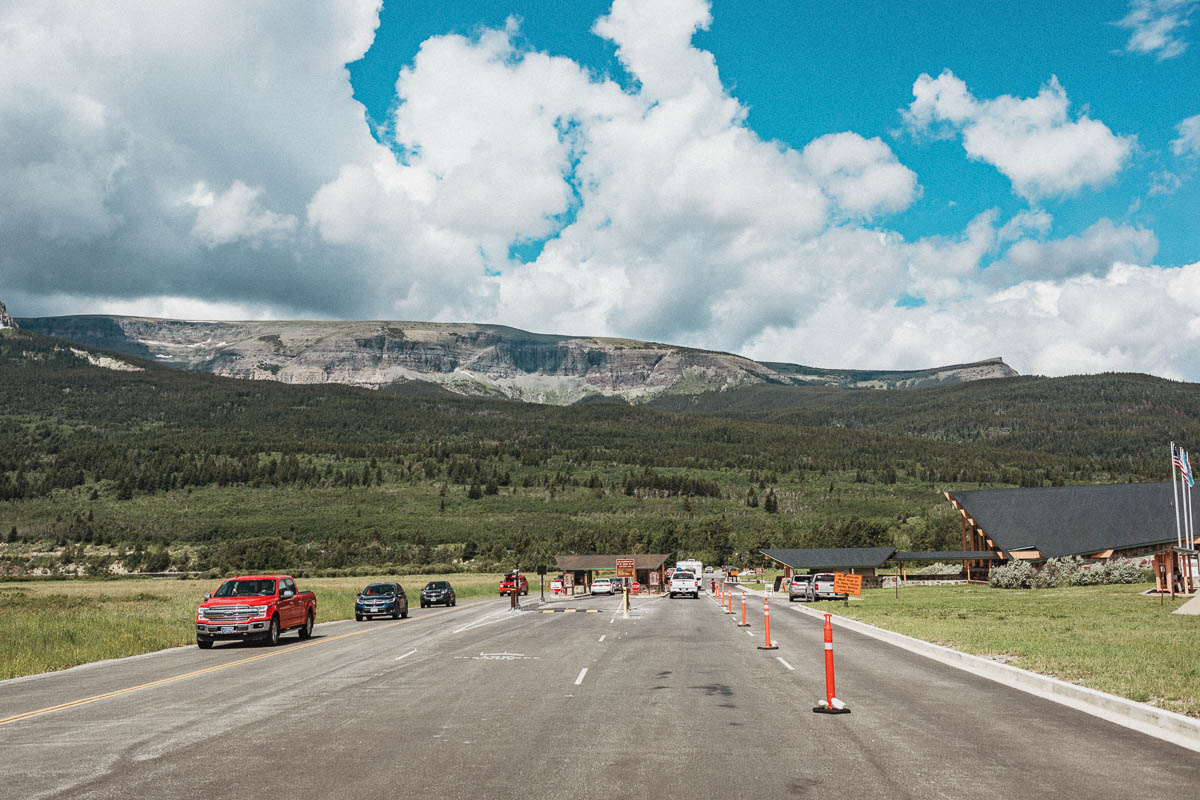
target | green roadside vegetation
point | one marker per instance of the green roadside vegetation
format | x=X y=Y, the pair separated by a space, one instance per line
x=52 y=625
x=1109 y=638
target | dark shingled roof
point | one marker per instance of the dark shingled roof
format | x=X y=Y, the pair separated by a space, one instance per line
x=832 y=557
x=947 y=555
x=1074 y=520
x=592 y=563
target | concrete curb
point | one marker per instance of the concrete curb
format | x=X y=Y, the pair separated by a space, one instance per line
x=1157 y=722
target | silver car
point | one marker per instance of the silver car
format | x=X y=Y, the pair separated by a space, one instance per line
x=800 y=587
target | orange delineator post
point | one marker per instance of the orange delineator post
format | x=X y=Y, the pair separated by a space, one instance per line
x=767 y=625
x=728 y=602
x=744 y=623
x=830 y=688
x=831 y=705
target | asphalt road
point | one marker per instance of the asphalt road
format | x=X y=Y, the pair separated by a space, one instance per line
x=480 y=702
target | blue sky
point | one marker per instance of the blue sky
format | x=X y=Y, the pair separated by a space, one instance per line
x=870 y=185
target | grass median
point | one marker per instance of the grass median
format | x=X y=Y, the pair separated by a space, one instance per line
x=1109 y=638
x=52 y=625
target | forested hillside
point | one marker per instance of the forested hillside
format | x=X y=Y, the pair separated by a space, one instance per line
x=158 y=468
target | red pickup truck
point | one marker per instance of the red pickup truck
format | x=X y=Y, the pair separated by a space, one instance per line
x=255 y=607
x=514 y=583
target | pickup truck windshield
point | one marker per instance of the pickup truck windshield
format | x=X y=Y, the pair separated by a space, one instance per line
x=260 y=588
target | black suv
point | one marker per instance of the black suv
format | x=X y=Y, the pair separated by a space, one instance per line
x=381 y=600
x=437 y=593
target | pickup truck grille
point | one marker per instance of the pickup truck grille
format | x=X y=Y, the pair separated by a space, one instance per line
x=233 y=613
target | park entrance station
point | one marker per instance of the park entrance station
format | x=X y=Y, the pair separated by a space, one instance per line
x=650 y=570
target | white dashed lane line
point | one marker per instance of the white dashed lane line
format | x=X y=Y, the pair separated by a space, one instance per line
x=406 y=655
x=786 y=664
x=582 y=672
x=602 y=637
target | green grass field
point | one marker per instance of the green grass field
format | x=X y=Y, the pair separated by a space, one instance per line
x=52 y=625
x=1109 y=638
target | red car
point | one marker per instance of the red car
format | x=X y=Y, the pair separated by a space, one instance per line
x=512 y=583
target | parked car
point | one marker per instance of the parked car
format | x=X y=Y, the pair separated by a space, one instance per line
x=603 y=586
x=438 y=593
x=822 y=587
x=381 y=600
x=255 y=607
x=514 y=583
x=800 y=588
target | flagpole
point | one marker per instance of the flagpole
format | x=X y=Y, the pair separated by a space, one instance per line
x=1186 y=485
x=1175 y=490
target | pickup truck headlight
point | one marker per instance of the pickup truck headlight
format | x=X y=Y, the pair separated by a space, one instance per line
x=260 y=612
x=200 y=614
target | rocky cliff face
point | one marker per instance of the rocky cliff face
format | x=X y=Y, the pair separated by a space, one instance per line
x=463 y=358
x=5 y=320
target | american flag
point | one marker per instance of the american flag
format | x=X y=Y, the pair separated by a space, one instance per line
x=1180 y=458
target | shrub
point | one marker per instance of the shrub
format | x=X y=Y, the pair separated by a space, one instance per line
x=1121 y=570
x=1057 y=572
x=1016 y=575
x=1066 y=571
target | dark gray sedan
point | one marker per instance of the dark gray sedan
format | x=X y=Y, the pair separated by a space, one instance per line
x=437 y=593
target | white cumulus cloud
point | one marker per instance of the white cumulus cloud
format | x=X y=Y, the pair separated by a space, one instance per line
x=1033 y=141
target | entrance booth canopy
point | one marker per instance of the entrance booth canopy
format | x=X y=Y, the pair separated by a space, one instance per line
x=651 y=569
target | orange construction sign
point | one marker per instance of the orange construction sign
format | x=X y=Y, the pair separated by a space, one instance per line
x=844 y=583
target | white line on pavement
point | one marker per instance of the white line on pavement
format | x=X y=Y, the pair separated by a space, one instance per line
x=406 y=655
x=786 y=664
x=582 y=672
x=489 y=619
x=602 y=637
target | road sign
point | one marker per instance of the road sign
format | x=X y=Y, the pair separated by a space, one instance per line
x=844 y=583
x=637 y=587
x=626 y=568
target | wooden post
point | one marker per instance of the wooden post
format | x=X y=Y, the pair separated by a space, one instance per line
x=963 y=523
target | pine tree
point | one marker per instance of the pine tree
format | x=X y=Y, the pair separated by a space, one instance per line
x=474 y=493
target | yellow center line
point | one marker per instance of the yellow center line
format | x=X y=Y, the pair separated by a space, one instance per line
x=218 y=667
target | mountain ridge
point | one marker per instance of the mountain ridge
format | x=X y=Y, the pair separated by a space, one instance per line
x=466 y=358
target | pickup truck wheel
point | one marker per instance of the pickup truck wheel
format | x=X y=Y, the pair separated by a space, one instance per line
x=204 y=644
x=306 y=631
x=525 y=592
x=273 y=632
